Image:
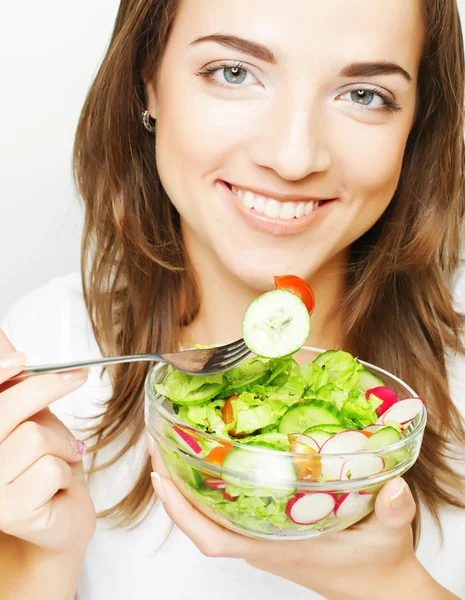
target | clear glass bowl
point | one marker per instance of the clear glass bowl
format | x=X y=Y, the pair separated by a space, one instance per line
x=273 y=502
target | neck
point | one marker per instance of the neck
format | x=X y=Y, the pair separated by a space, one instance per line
x=224 y=299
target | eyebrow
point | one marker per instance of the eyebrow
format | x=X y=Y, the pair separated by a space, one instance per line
x=360 y=69
x=237 y=43
x=370 y=69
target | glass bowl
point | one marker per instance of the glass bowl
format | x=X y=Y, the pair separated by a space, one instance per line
x=261 y=493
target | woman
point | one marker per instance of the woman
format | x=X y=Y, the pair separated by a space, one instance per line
x=320 y=139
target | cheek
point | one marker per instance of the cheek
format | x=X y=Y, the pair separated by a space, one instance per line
x=371 y=167
x=197 y=132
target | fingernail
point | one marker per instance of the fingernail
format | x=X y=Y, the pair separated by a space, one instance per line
x=400 y=497
x=74 y=376
x=79 y=446
x=13 y=360
x=158 y=486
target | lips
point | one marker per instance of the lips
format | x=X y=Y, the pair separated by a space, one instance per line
x=275 y=209
x=281 y=215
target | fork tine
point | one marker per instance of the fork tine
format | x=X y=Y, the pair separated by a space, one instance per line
x=230 y=353
x=229 y=361
x=238 y=360
x=232 y=346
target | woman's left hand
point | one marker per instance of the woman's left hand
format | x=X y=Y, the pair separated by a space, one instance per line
x=372 y=559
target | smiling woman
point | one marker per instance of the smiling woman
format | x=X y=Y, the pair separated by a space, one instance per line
x=221 y=146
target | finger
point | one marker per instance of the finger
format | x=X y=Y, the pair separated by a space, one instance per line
x=28 y=443
x=158 y=464
x=27 y=398
x=11 y=362
x=211 y=539
x=29 y=492
x=6 y=347
x=395 y=506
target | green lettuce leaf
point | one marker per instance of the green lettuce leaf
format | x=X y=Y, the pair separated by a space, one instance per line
x=254 y=412
x=206 y=416
x=190 y=389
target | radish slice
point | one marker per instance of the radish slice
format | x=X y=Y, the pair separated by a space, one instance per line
x=344 y=442
x=385 y=394
x=229 y=497
x=331 y=467
x=309 y=508
x=301 y=443
x=353 y=504
x=186 y=441
x=320 y=437
x=403 y=411
x=362 y=466
x=216 y=484
x=373 y=428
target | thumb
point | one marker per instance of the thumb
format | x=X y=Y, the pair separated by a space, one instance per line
x=395 y=506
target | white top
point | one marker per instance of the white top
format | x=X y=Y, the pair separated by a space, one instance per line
x=156 y=560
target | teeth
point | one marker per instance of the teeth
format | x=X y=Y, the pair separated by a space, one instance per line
x=247 y=199
x=300 y=210
x=259 y=204
x=272 y=208
x=288 y=210
x=308 y=208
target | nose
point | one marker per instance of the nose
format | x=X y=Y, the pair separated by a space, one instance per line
x=291 y=141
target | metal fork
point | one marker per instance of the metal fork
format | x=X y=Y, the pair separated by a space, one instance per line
x=209 y=361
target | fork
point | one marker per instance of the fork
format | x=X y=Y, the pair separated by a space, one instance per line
x=208 y=361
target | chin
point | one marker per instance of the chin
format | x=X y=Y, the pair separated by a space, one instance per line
x=257 y=268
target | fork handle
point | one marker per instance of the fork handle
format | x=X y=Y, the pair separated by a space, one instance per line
x=82 y=364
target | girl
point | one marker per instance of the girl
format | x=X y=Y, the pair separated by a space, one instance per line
x=223 y=143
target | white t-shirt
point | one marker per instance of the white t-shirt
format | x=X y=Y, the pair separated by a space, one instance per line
x=156 y=560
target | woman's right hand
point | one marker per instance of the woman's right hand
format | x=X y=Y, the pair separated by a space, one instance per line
x=43 y=494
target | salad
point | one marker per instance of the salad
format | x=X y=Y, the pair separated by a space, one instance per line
x=275 y=427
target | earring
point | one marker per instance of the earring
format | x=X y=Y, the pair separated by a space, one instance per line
x=148 y=122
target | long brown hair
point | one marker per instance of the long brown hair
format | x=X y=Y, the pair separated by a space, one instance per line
x=137 y=280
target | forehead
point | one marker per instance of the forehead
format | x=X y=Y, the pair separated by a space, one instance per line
x=303 y=29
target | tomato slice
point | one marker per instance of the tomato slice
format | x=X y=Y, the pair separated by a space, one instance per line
x=227 y=413
x=218 y=454
x=297 y=286
x=368 y=434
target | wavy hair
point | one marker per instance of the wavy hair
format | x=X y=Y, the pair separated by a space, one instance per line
x=140 y=290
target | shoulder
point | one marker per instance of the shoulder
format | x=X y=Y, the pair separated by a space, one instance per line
x=50 y=323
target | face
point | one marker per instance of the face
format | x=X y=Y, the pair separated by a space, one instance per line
x=281 y=127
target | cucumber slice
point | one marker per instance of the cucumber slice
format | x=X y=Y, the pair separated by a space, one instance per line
x=326 y=428
x=367 y=380
x=299 y=418
x=324 y=357
x=384 y=437
x=268 y=472
x=276 y=324
x=279 y=441
x=244 y=376
x=182 y=470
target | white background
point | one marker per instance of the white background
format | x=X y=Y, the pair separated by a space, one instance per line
x=49 y=52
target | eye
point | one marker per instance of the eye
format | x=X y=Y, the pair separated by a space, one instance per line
x=372 y=99
x=229 y=75
x=366 y=98
x=234 y=75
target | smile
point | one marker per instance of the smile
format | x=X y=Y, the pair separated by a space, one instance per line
x=274 y=208
x=278 y=215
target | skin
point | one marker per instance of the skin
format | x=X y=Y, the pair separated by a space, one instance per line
x=289 y=128
x=292 y=134
x=321 y=143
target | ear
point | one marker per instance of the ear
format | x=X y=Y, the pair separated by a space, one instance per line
x=150 y=93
